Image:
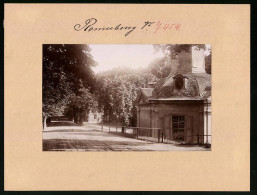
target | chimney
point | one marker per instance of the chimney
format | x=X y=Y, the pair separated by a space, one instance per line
x=198 y=60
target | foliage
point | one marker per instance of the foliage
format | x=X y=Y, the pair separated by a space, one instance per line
x=161 y=67
x=118 y=93
x=67 y=78
x=172 y=50
x=208 y=63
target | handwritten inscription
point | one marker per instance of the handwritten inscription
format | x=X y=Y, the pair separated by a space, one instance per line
x=166 y=26
x=90 y=25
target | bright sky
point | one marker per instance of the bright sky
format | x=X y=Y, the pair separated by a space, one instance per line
x=132 y=56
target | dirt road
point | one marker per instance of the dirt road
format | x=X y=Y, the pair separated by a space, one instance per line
x=89 y=138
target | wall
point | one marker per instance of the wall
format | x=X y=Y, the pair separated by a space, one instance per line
x=144 y=119
x=182 y=64
x=161 y=117
x=192 y=61
x=185 y=62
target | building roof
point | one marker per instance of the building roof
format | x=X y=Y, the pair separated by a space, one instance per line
x=204 y=83
x=152 y=83
x=197 y=86
x=176 y=98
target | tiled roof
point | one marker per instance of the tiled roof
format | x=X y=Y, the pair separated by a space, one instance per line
x=204 y=83
x=206 y=93
x=198 y=87
x=176 y=98
x=168 y=82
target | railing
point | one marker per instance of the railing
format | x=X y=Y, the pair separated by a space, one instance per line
x=155 y=134
x=197 y=135
x=137 y=132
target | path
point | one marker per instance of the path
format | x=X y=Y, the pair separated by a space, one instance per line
x=88 y=138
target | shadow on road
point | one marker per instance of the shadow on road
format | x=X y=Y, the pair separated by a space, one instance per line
x=61 y=123
x=91 y=145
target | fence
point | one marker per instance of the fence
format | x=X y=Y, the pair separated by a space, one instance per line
x=151 y=134
x=136 y=132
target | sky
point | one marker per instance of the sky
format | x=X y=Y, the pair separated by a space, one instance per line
x=132 y=56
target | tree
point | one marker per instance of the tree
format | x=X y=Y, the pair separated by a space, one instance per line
x=118 y=94
x=66 y=71
x=79 y=104
x=208 y=63
x=172 y=50
x=161 y=67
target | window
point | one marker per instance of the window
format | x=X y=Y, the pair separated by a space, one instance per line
x=178 y=124
x=179 y=83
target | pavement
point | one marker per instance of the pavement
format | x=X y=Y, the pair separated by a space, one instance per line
x=69 y=137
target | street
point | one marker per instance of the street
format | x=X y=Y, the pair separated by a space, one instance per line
x=68 y=137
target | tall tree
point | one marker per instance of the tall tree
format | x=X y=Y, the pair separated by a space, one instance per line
x=118 y=93
x=67 y=75
x=160 y=67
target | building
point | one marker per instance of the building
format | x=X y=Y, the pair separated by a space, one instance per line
x=93 y=117
x=180 y=104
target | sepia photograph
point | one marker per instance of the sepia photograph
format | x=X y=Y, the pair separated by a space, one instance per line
x=126 y=97
x=144 y=97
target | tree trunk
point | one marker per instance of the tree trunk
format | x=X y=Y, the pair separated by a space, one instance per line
x=80 y=117
x=75 y=115
x=44 y=122
x=48 y=120
x=80 y=121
